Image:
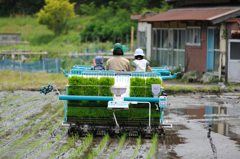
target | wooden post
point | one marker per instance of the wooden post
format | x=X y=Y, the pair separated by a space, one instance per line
x=59 y=58
x=80 y=44
x=29 y=60
x=132 y=37
x=5 y=54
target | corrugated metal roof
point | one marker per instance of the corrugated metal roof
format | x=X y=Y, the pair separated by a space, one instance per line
x=233 y=20
x=192 y=14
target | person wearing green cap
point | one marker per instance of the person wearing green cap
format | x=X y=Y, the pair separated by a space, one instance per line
x=118 y=62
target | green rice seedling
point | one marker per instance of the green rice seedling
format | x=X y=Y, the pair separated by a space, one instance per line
x=153 y=147
x=34 y=130
x=137 y=147
x=87 y=141
x=3 y=130
x=81 y=88
x=33 y=146
x=63 y=130
x=149 y=82
x=50 y=129
x=20 y=128
x=102 y=144
x=122 y=139
x=137 y=87
x=104 y=113
x=104 y=90
x=18 y=155
x=17 y=113
x=49 y=145
x=2 y=151
x=70 y=144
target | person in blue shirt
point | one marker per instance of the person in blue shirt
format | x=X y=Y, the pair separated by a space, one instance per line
x=99 y=64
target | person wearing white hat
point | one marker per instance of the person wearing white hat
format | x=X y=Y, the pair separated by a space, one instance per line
x=140 y=64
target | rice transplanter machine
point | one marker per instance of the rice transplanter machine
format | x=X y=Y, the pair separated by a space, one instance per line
x=133 y=118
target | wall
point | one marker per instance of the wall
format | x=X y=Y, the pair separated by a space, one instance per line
x=144 y=26
x=196 y=56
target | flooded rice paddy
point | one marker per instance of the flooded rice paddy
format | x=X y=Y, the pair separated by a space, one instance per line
x=30 y=127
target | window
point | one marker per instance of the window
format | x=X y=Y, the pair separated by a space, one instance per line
x=169 y=47
x=194 y=36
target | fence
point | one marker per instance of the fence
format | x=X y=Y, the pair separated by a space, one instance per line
x=49 y=65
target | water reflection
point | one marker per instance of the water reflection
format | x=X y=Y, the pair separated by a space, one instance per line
x=209 y=114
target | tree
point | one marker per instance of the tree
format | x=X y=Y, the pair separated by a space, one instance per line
x=55 y=14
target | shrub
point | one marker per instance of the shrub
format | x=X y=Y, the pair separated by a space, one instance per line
x=207 y=78
x=56 y=14
x=192 y=75
x=177 y=70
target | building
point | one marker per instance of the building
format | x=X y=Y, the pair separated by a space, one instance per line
x=200 y=35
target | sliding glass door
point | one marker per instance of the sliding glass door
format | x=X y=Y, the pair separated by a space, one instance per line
x=169 y=47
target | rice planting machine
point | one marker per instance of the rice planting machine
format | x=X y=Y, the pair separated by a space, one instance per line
x=102 y=102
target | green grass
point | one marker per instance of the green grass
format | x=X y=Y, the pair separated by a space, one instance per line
x=187 y=89
x=32 y=81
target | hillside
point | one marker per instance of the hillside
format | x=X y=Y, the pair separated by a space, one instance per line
x=40 y=38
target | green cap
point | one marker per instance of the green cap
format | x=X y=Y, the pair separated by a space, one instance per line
x=117 y=46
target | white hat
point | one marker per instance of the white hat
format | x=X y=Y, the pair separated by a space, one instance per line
x=139 y=52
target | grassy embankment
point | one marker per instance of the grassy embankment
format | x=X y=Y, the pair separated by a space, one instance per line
x=10 y=81
x=40 y=38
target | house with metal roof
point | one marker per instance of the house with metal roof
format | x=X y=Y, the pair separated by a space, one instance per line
x=200 y=35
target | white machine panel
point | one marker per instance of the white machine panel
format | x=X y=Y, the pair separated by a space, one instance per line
x=118 y=105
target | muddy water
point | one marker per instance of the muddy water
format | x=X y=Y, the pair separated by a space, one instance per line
x=189 y=114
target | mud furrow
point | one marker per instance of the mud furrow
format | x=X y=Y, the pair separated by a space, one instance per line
x=34 y=131
x=75 y=152
x=26 y=125
x=36 y=144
